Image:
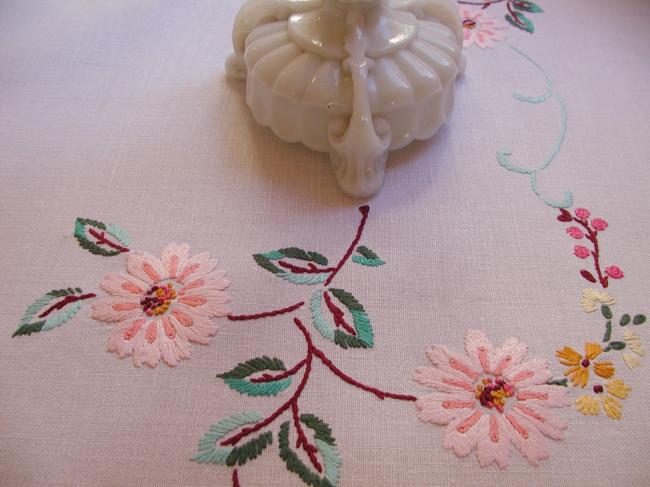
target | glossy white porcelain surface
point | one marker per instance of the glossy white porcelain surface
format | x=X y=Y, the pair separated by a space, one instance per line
x=354 y=78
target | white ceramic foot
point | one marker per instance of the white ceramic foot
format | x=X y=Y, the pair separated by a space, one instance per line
x=359 y=151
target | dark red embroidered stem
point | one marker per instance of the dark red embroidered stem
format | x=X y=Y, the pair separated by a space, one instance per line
x=64 y=302
x=301 y=270
x=235 y=478
x=515 y=15
x=101 y=239
x=339 y=318
x=258 y=426
x=592 y=236
x=266 y=314
x=284 y=375
x=302 y=441
x=483 y=4
x=342 y=375
x=364 y=211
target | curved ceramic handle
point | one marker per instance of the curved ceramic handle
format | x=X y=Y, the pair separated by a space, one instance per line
x=359 y=152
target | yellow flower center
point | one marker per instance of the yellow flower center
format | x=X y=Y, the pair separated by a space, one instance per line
x=158 y=299
x=469 y=24
x=492 y=393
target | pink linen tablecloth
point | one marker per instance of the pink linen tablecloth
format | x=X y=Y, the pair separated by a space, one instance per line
x=526 y=216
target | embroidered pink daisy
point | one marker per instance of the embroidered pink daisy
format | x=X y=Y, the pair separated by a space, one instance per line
x=491 y=398
x=480 y=28
x=162 y=304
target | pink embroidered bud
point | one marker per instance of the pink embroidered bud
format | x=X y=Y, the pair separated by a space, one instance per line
x=583 y=213
x=575 y=232
x=599 y=224
x=615 y=272
x=581 y=252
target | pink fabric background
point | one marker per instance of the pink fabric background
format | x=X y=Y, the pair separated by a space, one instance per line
x=119 y=111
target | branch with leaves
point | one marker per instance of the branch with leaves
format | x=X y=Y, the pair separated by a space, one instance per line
x=242 y=437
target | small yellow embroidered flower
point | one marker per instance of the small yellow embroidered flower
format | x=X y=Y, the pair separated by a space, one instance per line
x=592 y=299
x=588 y=405
x=615 y=389
x=578 y=364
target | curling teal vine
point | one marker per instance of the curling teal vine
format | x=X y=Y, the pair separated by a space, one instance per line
x=503 y=156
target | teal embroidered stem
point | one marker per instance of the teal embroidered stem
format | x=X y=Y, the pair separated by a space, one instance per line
x=503 y=156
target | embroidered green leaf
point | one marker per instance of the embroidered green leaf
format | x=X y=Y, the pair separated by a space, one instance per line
x=367 y=257
x=327 y=449
x=639 y=319
x=359 y=337
x=238 y=379
x=608 y=331
x=558 y=382
x=249 y=451
x=615 y=346
x=625 y=320
x=526 y=6
x=522 y=23
x=52 y=310
x=210 y=451
x=296 y=274
x=100 y=239
x=606 y=311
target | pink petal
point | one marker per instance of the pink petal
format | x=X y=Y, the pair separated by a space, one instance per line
x=540 y=417
x=508 y=355
x=533 y=372
x=196 y=267
x=174 y=258
x=123 y=285
x=461 y=433
x=452 y=364
x=439 y=380
x=119 y=342
x=479 y=350
x=146 y=267
x=113 y=309
x=527 y=439
x=147 y=348
x=493 y=444
x=544 y=395
x=206 y=304
x=192 y=327
x=440 y=408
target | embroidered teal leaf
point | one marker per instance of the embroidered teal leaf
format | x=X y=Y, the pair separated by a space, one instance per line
x=558 y=382
x=367 y=257
x=100 y=239
x=276 y=263
x=639 y=319
x=238 y=379
x=361 y=336
x=209 y=450
x=625 y=320
x=526 y=6
x=606 y=311
x=67 y=302
x=608 y=332
x=326 y=445
x=615 y=346
x=522 y=22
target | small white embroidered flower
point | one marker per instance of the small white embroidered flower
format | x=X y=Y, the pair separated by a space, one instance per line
x=593 y=299
x=634 y=344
